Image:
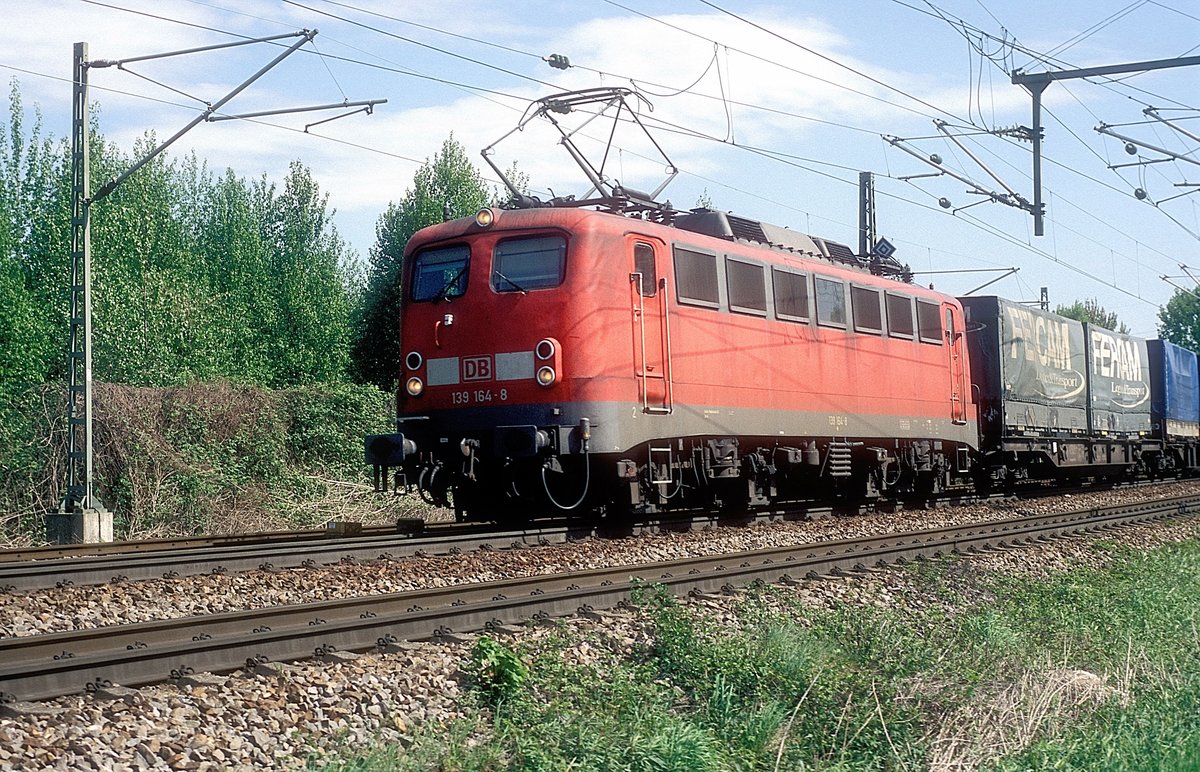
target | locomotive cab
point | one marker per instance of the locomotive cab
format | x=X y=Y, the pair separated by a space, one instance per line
x=485 y=398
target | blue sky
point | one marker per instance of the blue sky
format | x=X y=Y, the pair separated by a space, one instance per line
x=771 y=109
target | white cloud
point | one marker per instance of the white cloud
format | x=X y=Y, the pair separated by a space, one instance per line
x=781 y=78
x=654 y=55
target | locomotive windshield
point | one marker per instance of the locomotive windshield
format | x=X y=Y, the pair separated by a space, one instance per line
x=441 y=273
x=519 y=265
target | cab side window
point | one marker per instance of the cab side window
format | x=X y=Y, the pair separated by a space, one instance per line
x=899 y=316
x=929 y=323
x=831 y=302
x=696 y=278
x=865 y=305
x=747 y=287
x=643 y=263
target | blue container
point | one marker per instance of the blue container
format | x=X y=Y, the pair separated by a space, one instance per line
x=1175 y=389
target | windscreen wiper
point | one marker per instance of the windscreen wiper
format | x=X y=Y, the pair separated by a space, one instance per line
x=515 y=286
x=454 y=280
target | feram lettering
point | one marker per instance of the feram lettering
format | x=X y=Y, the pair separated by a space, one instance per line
x=1115 y=357
x=1045 y=341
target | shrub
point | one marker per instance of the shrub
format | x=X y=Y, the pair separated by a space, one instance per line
x=496 y=671
x=205 y=458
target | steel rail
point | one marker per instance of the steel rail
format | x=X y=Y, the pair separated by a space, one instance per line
x=45 y=666
x=54 y=551
x=209 y=545
x=322 y=550
x=220 y=541
x=236 y=558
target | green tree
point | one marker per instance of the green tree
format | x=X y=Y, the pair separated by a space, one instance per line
x=230 y=242
x=33 y=233
x=23 y=336
x=153 y=304
x=1179 y=320
x=194 y=277
x=1092 y=312
x=310 y=339
x=449 y=183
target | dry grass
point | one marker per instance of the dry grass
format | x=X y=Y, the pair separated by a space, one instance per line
x=212 y=458
x=339 y=500
x=1009 y=719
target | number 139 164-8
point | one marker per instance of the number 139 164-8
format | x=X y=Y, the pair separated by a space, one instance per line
x=477 y=396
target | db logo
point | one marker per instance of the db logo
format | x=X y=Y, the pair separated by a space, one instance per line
x=477 y=368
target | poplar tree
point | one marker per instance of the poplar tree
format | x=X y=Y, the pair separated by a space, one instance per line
x=195 y=277
x=311 y=329
x=33 y=225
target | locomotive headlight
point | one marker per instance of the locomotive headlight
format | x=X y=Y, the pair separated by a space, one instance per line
x=485 y=217
x=413 y=360
x=548 y=355
x=414 y=386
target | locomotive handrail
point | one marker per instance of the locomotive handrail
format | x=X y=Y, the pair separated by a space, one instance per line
x=668 y=406
x=641 y=314
x=666 y=306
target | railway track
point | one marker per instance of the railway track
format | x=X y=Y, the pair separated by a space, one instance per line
x=42 y=568
x=93 y=564
x=54 y=551
x=45 y=666
x=236 y=557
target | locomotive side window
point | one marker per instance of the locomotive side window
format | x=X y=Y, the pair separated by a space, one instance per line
x=899 y=316
x=696 y=278
x=929 y=322
x=747 y=287
x=643 y=263
x=831 y=302
x=791 y=295
x=864 y=304
x=519 y=265
x=440 y=273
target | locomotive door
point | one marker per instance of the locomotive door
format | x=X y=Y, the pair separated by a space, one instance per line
x=651 y=333
x=958 y=371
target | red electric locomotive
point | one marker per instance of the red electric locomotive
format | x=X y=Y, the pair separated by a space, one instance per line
x=567 y=358
x=616 y=353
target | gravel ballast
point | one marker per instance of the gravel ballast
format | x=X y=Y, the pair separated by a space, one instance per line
x=310 y=712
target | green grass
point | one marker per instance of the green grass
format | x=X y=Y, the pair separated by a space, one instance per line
x=1091 y=669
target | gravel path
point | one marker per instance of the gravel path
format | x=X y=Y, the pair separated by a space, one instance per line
x=292 y=716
